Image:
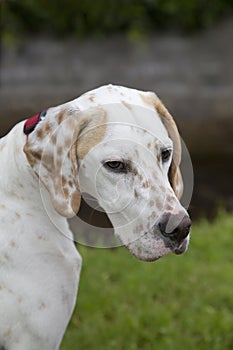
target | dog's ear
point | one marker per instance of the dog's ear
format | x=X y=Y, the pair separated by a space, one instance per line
x=54 y=147
x=175 y=177
x=174 y=171
x=51 y=152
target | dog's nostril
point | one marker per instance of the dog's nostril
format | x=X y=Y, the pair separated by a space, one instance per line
x=180 y=232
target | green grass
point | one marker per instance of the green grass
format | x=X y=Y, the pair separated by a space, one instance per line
x=179 y=302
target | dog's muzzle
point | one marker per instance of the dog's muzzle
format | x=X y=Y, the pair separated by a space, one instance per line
x=175 y=231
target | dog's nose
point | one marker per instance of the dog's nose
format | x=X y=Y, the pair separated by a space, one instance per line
x=175 y=227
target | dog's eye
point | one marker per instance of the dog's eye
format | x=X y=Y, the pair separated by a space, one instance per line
x=116 y=166
x=166 y=154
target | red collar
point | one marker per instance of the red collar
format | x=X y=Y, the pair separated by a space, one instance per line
x=32 y=122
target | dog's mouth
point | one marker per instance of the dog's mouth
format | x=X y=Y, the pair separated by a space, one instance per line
x=181 y=248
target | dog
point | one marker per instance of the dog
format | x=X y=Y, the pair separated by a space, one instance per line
x=119 y=145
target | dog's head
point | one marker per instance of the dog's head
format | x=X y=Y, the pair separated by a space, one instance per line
x=122 y=147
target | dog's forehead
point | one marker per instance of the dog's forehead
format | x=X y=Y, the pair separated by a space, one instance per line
x=129 y=111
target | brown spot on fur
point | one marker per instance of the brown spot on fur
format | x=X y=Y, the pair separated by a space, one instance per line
x=127 y=105
x=145 y=184
x=66 y=192
x=92 y=98
x=151 y=203
x=2 y=206
x=169 y=207
x=94 y=134
x=42 y=306
x=75 y=202
x=61 y=116
x=159 y=204
x=63 y=180
x=59 y=151
x=149 y=145
x=13 y=244
x=6 y=256
x=170 y=199
x=53 y=138
x=135 y=193
x=138 y=229
x=18 y=215
x=162 y=188
x=40 y=133
x=47 y=128
x=7 y=333
x=140 y=177
x=41 y=238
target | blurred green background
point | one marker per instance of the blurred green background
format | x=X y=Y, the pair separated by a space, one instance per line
x=51 y=52
x=106 y=17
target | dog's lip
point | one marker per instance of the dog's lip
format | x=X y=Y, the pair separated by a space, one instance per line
x=181 y=248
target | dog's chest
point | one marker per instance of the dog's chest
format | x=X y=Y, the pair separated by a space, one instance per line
x=39 y=273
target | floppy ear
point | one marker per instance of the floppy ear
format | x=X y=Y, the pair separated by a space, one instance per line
x=174 y=171
x=175 y=177
x=51 y=152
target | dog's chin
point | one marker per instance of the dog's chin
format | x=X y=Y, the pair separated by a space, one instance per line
x=149 y=254
x=156 y=249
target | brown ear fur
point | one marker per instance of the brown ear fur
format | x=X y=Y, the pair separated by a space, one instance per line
x=174 y=171
x=51 y=152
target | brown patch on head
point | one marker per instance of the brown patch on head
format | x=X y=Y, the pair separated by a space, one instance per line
x=126 y=104
x=91 y=98
x=61 y=116
x=93 y=133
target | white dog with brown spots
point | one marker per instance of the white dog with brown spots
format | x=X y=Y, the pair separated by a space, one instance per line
x=117 y=144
